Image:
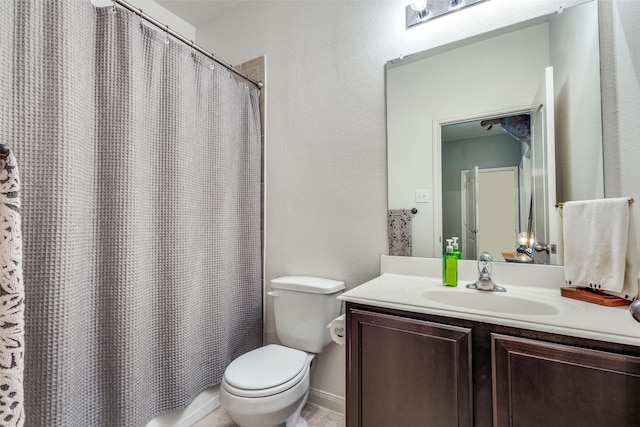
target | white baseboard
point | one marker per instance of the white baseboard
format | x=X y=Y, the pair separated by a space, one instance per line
x=205 y=402
x=327 y=400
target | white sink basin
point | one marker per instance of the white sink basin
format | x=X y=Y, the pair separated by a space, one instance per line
x=500 y=302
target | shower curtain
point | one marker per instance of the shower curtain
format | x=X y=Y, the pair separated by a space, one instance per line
x=140 y=167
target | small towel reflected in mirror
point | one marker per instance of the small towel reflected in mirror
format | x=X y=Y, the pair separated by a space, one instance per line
x=399 y=231
x=600 y=248
x=518 y=126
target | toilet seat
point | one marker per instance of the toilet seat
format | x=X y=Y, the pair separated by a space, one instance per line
x=265 y=371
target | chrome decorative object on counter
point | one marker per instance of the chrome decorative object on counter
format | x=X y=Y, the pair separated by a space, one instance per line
x=634 y=308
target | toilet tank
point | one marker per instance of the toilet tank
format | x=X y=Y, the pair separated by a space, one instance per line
x=303 y=306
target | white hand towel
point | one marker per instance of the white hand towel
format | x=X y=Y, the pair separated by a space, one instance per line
x=600 y=250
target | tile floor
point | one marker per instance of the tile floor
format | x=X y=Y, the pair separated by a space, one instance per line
x=315 y=415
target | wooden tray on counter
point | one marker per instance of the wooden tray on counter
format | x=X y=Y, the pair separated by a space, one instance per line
x=517 y=257
x=594 y=297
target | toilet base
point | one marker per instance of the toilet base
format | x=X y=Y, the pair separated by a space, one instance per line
x=296 y=419
x=267 y=420
x=301 y=422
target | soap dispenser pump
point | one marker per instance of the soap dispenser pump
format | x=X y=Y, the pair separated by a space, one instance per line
x=449 y=267
x=456 y=249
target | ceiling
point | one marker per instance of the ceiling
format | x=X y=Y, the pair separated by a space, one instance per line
x=467 y=130
x=199 y=12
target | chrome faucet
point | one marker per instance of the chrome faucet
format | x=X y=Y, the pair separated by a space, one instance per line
x=485 y=282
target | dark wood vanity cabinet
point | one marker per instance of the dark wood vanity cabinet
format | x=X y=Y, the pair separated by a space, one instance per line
x=408 y=369
x=405 y=371
x=538 y=383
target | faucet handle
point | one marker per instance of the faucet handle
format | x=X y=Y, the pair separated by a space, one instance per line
x=484 y=282
x=484 y=265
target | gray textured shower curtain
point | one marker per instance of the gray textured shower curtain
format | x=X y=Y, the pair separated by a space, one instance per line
x=140 y=174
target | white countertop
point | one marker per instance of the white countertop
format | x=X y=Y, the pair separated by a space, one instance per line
x=422 y=292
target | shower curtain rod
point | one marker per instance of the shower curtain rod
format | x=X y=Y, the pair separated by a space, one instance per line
x=184 y=40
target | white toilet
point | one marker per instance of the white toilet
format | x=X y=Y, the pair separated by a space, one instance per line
x=268 y=386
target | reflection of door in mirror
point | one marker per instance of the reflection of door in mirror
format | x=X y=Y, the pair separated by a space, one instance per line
x=485 y=228
x=484 y=170
x=470 y=213
x=497 y=227
x=545 y=218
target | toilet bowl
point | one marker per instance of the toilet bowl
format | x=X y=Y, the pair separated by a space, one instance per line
x=267 y=387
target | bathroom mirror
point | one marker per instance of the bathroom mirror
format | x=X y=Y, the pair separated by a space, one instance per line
x=549 y=66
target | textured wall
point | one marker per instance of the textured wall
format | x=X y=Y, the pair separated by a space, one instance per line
x=326 y=139
x=576 y=71
x=325 y=151
x=620 y=37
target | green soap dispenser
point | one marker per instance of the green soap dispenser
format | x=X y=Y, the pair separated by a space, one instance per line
x=449 y=267
x=456 y=250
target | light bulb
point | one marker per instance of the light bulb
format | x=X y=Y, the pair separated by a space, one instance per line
x=456 y=4
x=418 y=5
x=522 y=238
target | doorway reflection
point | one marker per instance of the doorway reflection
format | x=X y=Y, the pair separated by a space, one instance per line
x=486 y=183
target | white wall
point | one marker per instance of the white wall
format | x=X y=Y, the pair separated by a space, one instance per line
x=579 y=171
x=159 y=13
x=325 y=150
x=326 y=144
x=621 y=105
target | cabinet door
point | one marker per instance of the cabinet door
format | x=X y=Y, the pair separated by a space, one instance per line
x=406 y=372
x=537 y=383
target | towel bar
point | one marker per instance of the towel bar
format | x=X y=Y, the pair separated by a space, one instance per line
x=560 y=204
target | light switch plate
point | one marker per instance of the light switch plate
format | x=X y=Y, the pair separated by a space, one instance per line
x=423 y=196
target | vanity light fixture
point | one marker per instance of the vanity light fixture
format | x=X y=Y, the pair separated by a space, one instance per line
x=417 y=13
x=419 y=5
x=420 y=11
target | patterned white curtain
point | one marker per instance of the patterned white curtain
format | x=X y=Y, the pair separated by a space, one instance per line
x=140 y=175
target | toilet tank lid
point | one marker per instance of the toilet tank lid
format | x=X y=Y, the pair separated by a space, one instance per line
x=309 y=284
